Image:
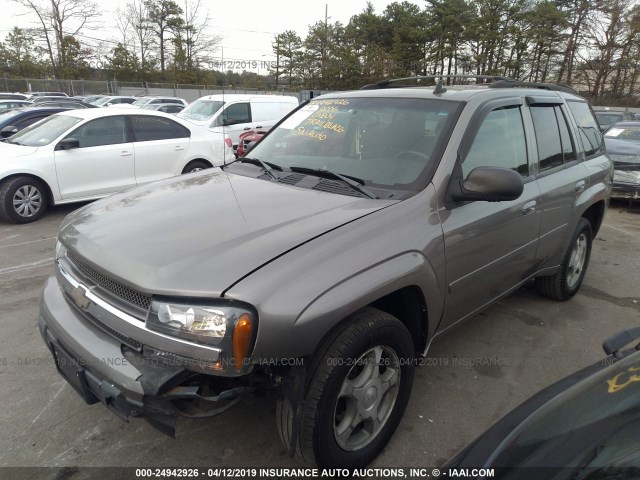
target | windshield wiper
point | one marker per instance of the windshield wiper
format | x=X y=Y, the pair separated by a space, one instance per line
x=268 y=166
x=354 y=182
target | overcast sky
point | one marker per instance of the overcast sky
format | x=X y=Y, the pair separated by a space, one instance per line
x=247 y=27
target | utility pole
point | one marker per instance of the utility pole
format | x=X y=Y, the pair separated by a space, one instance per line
x=277 y=61
x=325 y=43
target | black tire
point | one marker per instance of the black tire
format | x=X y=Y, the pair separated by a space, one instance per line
x=566 y=282
x=311 y=432
x=22 y=200
x=196 y=165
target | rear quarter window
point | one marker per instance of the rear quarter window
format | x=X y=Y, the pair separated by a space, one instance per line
x=588 y=128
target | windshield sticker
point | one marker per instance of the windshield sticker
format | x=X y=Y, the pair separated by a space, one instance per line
x=614 y=132
x=322 y=122
x=300 y=116
x=615 y=386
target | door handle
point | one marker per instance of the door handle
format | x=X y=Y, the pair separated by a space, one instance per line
x=529 y=207
x=125 y=153
x=177 y=148
x=247 y=128
x=580 y=186
x=259 y=126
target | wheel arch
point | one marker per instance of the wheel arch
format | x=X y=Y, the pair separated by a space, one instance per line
x=595 y=214
x=407 y=304
x=49 y=191
x=198 y=159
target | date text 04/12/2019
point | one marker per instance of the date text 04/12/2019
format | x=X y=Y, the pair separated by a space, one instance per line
x=258 y=473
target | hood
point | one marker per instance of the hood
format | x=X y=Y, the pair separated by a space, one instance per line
x=203 y=123
x=199 y=234
x=622 y=147
x=11 y=150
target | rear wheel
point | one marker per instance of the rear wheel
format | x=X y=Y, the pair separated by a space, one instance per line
x=567 y=280
x=196 y=166
x=22 y=200
x=358 y=388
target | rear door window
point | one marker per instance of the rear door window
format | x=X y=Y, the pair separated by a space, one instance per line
x=147 y=128
x=545 y=123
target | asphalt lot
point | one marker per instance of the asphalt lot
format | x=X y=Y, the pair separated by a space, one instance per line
x=476 y=374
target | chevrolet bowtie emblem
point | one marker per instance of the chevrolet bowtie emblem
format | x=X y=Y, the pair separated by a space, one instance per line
x=79 y=297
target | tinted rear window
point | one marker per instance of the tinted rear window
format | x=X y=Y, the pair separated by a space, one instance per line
x=157 y=128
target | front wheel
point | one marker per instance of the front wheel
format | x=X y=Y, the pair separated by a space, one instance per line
x=358 y=388
x=567 y=280
x=22 y=200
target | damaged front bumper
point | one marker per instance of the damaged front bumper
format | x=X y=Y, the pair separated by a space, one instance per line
x=626 y=182
x=626 y=191
x=130 y=383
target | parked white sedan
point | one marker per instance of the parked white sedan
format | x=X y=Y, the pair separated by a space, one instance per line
x=88 y=154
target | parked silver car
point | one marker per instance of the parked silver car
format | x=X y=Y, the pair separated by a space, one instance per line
x=324 y=264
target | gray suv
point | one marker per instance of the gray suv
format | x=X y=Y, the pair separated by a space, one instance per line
x=323 y=264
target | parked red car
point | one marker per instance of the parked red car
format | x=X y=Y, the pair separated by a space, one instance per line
x=248 y=140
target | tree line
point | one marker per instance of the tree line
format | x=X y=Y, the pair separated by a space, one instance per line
x=591 y=44
x=157 y=41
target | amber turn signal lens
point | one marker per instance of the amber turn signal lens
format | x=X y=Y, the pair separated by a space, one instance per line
x=241 y=340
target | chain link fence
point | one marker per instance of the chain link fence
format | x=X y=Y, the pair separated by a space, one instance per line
x=136 y=89
x=70 y=87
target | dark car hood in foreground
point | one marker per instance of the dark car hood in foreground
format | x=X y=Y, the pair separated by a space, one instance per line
x=199 y=234
x=581 y=425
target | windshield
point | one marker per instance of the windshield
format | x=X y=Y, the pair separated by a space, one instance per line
x=9 y=115
x=45 y=131
x=201 y=110
x=142 y=101
x=387 y=142
x=102 y=101
x=630 y=133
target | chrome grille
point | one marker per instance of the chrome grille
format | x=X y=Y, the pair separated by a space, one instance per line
x=120 y=291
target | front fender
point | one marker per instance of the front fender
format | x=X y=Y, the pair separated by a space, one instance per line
x=303 y=295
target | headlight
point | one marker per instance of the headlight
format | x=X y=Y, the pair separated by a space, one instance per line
x=61 y=250
x=230 y=327
x=207 y=322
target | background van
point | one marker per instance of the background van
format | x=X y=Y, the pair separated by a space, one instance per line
x=234 y=114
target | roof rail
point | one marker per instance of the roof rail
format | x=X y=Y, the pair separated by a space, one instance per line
x=509 y=83
x=389 y=83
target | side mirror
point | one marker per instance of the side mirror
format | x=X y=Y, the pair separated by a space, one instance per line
x=9 y=130
x=489 y=184
x=68 y=144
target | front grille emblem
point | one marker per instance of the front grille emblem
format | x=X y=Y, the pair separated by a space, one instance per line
x=79 y=297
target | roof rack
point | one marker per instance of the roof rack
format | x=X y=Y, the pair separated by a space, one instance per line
x=497 y=81
x=389 y=83
x=557 y=87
